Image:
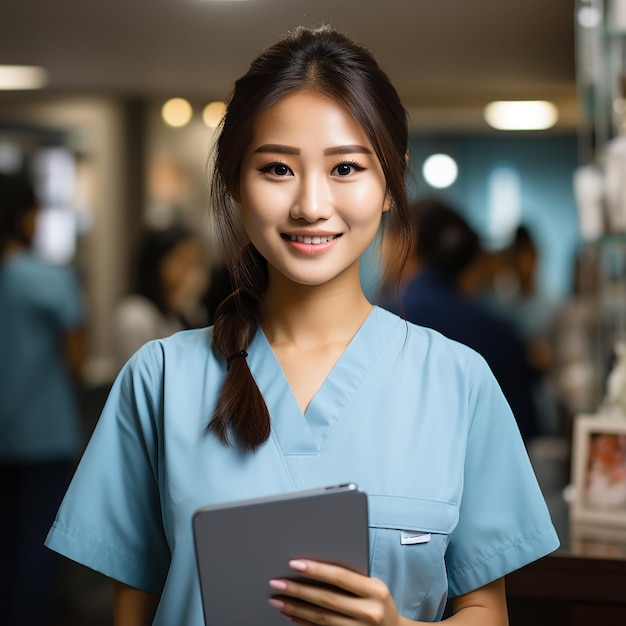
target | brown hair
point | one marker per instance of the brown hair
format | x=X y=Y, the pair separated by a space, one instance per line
x=17 y=200
x=330 y=63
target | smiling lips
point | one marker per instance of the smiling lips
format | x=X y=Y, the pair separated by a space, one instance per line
x=315 y=244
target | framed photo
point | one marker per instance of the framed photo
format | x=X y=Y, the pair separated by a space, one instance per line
x=599 y=471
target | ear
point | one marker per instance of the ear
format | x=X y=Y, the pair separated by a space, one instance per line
x=387 y=203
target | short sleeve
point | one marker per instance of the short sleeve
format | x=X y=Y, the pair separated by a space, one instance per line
x=73 y=310
x=59 y=294
x=504 y=522
x=110 y=519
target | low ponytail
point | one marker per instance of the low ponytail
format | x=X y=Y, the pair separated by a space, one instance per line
x=240 y=406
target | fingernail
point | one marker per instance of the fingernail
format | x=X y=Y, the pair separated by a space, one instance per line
x=298 y=565
x=276 y=603
x=278 y=584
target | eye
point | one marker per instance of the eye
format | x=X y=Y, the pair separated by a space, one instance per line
x=276 y=169
x=347 y=167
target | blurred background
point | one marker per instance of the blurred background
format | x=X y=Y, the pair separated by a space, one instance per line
x=116 y=123
x=107 y=162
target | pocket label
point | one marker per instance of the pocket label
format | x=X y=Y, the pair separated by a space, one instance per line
x=409 y=537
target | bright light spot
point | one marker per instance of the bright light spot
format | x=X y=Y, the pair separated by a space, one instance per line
x=440 y=170
x=22 y=77
x=213 y=113
x=504 y=205
x=56 y=176
x=589 y=17
x=176 y=112
x=55 y=235
x=521 y=115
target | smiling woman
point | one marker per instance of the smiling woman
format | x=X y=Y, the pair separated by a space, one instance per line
x=303 y=383
x=311 y=185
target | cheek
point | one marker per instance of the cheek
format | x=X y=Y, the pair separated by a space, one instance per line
x=363 y=202
x=263 y=206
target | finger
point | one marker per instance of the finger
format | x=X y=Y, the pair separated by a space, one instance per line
x=321 y=605
x=305 y=614
x=335 y=575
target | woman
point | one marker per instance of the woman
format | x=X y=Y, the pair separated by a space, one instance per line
x=171 y=281
x=303 y=383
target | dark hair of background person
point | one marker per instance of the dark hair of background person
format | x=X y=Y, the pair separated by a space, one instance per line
x=523 y=238
x=326 y=62
x=444 y=240
x=524 y=258
x=17 y=199
x=154 y=247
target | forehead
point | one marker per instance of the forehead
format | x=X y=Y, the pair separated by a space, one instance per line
x=307 y=115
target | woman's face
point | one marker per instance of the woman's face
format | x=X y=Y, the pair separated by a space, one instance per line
x=184 y=274
x=312 y=190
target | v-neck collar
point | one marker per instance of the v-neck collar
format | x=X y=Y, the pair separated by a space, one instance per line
x=300 y=435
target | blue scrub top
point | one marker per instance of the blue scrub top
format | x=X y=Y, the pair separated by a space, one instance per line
x=415 y=419
x=38 y=414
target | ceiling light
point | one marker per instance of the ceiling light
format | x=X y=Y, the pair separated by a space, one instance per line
x=213 y=113
x=440 y=170
x=22 y=77
x=176 y=112
x=521 y=115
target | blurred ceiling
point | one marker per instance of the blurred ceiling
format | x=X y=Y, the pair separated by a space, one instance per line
x=447 y=58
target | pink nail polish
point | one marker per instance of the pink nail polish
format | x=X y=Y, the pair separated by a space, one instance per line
x=300 y=566
x=276 y=603
x=281 y=585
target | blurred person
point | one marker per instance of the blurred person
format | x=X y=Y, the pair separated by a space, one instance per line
x=171 y=282
x=41 y=356
x=517 y=297
x=434 y=293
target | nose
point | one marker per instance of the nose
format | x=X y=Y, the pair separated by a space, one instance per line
x=313 y=201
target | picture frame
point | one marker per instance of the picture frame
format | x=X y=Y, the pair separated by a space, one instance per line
x=599 y=471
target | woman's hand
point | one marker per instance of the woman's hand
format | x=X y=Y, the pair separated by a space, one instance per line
x=357 y=599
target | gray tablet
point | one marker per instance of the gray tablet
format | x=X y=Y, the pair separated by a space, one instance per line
x=241 y=545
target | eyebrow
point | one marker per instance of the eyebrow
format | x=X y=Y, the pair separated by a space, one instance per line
x=280 y=149
x=350 y=149
x=276 y=148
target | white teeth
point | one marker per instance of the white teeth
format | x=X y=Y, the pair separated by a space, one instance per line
x=312 y=240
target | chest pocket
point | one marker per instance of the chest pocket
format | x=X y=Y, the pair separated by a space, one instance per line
x=408 y=542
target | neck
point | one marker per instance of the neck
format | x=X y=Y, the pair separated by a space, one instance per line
x=313 y=314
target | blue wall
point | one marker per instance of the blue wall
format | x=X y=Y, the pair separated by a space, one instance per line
x=545 y=166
